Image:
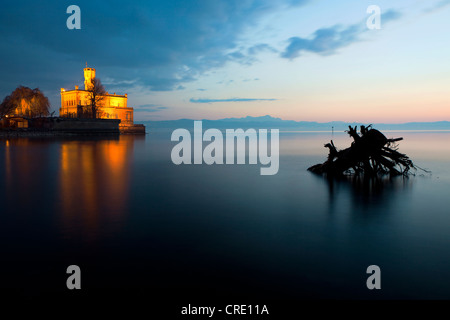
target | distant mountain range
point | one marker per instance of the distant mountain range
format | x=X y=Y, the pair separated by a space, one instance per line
x=270 y=122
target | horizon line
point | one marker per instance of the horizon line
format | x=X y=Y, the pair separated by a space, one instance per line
x=298 y=121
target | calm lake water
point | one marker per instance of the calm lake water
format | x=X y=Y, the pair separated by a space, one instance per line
x=135 y=222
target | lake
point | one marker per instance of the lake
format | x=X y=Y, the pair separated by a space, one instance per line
x=135 y=222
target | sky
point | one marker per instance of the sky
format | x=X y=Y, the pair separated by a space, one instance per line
x=298 y=60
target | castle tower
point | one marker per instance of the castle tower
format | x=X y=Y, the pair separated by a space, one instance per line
x=89 y=75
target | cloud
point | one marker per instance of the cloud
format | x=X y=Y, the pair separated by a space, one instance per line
x=247 y=56
x=114 y=82
x=228 y=100
x=261 y=47
x=437 y=6
x=150 y=108
x=390 y=15
x=240 y=57
x=154 y=45
x=326 y=41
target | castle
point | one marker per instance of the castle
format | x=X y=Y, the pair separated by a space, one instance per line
x=75 y=113
x=75 y=103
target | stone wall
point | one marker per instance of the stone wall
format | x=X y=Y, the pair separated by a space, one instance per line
x=70 y=125
x=62 y=126
x=132 y=128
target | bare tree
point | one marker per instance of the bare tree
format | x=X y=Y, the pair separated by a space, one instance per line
x=7 y=107
x=96 y=94
x=39 y=104
x=26 y=102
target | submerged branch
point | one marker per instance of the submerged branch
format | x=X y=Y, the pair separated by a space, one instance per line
x=371 y=154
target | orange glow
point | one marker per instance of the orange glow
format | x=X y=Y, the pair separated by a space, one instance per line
x=90 y=171
x=113 y=106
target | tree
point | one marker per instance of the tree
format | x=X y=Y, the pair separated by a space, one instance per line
x=370 y=154
x=6 y=107
x=39 y=105
x=25 y=102
x=96 y=94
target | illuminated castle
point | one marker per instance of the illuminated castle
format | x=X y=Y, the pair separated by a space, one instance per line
x=75 y=103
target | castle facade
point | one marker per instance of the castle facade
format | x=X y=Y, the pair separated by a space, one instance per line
x=75 y=103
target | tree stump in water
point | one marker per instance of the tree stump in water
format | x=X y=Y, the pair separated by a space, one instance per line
x=371 y=154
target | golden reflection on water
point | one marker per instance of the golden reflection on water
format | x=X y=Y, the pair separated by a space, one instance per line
x=8 y=169
x=22 y=166
x=94 y=182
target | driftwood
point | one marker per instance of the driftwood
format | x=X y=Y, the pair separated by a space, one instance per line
x=370 y=154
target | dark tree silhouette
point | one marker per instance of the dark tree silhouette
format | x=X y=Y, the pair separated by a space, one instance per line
x=7 y=107
x=39 y=104
x=26 y=102
x=96 y=93
x=371 y=154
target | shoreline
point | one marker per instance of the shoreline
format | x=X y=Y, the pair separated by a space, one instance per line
x=50 y=133
x=58 y=127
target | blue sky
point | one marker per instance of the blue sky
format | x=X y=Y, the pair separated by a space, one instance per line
x=294 y=59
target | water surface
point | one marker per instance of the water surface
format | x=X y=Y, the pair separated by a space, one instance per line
x=132 y=220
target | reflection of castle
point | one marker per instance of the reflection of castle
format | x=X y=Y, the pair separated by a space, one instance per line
x=94 y=182
x=91 y=186
x=112 y=106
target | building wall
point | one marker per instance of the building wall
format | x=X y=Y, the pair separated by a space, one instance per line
x=89 y=74
x=111 y=107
